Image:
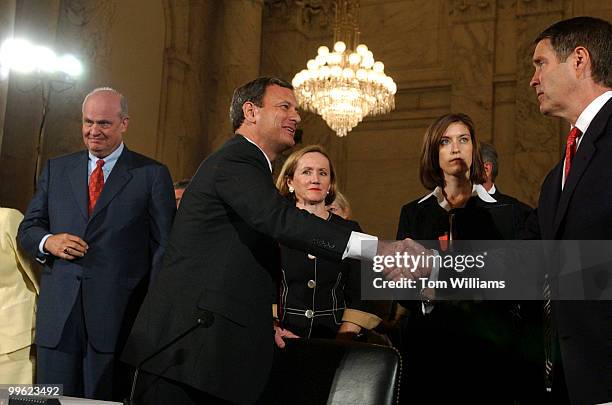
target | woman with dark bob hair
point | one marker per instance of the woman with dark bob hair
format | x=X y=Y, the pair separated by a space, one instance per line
x=319 y=298
x=473 y=354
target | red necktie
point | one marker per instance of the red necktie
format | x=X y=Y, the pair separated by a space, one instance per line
x=96 y=184
x=570 y=150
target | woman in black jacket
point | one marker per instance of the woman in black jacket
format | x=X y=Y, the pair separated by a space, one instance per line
x=318 y=297
x=471 y=347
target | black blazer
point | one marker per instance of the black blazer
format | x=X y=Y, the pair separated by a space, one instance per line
x=465 y=342
x=126 y=234
x=478 y=220
x=316 y=293
x=221 y=265
x=583 y=211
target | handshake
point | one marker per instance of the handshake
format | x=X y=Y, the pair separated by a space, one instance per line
x=403 y=259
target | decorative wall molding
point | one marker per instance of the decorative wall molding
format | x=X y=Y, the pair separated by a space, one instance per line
x=92 y=20
x=530 y=7
x=471 y=10
x=303 y=15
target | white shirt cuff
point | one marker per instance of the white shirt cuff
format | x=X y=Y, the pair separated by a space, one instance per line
x=357 y=249
x=41 y=248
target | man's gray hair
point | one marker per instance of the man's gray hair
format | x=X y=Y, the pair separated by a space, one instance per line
x=122 y=99
x=489 y=154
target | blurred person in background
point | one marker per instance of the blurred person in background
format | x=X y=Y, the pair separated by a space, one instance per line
x=179 y=189
x=522 y=211
x=340 y=206
x=19 y=279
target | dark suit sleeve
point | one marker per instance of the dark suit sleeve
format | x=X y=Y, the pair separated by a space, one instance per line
x=161 y=210
x=246 y=186
x=35 y=224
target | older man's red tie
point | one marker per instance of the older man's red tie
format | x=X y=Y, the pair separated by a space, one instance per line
x=570 y=150
x=96 y=184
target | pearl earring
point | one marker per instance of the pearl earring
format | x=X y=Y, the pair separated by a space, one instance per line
x=291 y=189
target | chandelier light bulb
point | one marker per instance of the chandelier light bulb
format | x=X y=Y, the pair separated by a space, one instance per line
x=339 y=47
x=354 y=59
x=378 y=67
x=323 y=50
x=334 y=58
x=362 y=49
x=312 y=64
x=348 y=73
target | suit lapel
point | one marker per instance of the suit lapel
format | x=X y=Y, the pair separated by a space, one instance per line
x=117 y=179
x=255 y=151
x=78 y=182
x=583 y=156
x=581 y=161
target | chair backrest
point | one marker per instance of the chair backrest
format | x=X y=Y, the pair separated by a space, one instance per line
x=326 y=371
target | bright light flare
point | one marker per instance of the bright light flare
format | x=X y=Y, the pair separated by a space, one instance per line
x=22 y=56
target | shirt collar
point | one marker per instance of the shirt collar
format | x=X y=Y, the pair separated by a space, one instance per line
x=111 y=159
x=264 y=153
x=492 y=190
x=587 y=115
x=477 y=190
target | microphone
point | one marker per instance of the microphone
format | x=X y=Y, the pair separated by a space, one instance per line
x=200 y=322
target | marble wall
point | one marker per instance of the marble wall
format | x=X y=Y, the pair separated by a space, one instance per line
x=178 y=61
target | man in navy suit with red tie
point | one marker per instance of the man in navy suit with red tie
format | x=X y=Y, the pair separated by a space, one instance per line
x=573 y=81
x=99 y=221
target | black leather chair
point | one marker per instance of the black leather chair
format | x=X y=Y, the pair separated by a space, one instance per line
x=325 y=371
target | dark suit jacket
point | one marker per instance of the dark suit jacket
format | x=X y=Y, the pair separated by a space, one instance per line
x=126 y=234
x=583 y=211
x=521 y=210
x=221 y=265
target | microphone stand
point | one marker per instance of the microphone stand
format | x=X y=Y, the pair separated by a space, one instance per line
x=199 y=323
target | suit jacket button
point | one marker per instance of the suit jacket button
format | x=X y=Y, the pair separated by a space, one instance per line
x=312 y=284
x=309 y=313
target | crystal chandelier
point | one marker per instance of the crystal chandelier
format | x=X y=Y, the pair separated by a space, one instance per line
x=345 y=85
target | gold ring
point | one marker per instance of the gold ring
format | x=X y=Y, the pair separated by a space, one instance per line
x=66 y=251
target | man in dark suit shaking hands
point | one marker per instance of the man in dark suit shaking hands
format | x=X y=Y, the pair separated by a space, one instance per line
x=99 y=222
x=222 y=261
x=573 y=81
